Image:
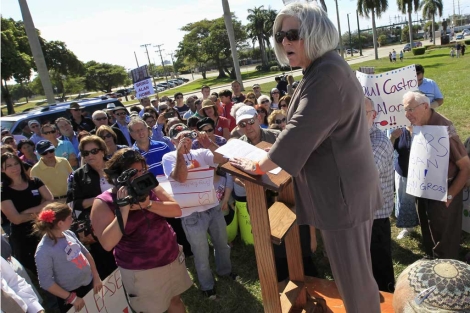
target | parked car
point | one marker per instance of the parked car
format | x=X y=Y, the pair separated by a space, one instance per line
x=466 y=32
x=459 y=37
x=160 y=89
x=125 y=91
x=416 y=44
x=184 y=79
x=348 y=51
x=176 y=82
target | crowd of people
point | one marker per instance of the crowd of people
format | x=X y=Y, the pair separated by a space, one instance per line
x=71 y=219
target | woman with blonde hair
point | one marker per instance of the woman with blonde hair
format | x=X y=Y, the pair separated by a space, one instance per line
x=277 y=117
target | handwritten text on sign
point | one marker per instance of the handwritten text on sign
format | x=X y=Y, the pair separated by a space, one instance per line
x=429 y=163
x=143 y=88
x=111 y=298
x=387 y=90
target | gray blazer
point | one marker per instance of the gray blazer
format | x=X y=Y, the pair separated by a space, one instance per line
x=327 y=150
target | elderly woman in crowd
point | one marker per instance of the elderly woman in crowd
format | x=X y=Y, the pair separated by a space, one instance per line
x=284 y=103
x=336 y=183
x=277 y=117
x=221 y=124
x=207 y=125
x=151 y=263
x=84 y=185
x=22 y=199
x=109 y=136
x=265 y=102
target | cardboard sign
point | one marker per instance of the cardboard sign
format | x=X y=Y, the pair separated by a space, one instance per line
x=111 y=298
x=143 y=88
x=429 y=163
x=466 y=210
x=197 y=191
x=387 y=90
x=139 y=74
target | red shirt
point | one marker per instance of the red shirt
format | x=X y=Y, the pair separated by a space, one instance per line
x=227 y=109
x=222 y=123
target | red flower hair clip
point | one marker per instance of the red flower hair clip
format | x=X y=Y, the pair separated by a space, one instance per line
x=47 y=216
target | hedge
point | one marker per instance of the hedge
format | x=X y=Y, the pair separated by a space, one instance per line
x=450 y=45
x=418 y=51
x=467 y=42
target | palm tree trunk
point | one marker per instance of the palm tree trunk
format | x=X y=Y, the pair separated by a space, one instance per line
x=7 y=97
x=433 y=31
x=410 y=26
x=374 y=35
x=264 y=62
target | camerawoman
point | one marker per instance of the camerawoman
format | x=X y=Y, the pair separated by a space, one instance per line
x=133 y=223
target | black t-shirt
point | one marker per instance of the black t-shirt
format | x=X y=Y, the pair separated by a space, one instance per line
x=182 y=109
x=23 y=200
x=86 y=124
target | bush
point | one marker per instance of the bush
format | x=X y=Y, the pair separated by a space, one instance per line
x=467 y=42
x=418 y=51
x=274 y=68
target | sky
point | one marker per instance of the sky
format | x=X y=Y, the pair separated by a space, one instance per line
x=112 y=30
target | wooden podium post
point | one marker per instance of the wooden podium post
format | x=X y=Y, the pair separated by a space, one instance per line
x=274 y=226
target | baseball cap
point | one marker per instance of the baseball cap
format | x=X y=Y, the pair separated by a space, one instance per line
x=74 y=106
x=4 y=139
x=176 y=129
x=33 y=122
x=255 y=86
x=43 y=146
x=245 y=112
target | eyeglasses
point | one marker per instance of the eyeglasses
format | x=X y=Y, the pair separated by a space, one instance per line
x=120 y=113
x=106 y=136
x=265 y=101
x=101 y=118
x=50 y=132
x=283 y=105
x=93 y=151
x=278 y=122
x=210 y=130
x=243 y=124
x=47 y=152
x=411 y=110
x=291 y=35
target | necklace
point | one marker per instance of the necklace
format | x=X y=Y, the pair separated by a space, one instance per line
x=192 y=163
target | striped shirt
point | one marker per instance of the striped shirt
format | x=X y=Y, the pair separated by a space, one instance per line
x=383 y=156
x=153 y=156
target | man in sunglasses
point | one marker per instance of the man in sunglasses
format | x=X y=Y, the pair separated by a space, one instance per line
x=62 y=148
x=180 y=105
x=79 y=122
x=249 y=126
x=52 y=170
x=101 y=118
x=35 y=128
x=121 y=115
x=197 y=221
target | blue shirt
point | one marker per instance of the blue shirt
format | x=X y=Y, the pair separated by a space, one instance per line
x=64 y=149
x=36 y=138
x=430 y=89
x=157 y=135
x=154 y=155
x=125 y=132
x=74 y=142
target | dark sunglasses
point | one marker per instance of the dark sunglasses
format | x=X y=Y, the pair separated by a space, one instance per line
x=47 y=152
x=106 y=136
x=94 y=151
x=283 y=105
x=291 y=35
x=243 y=124
x=101 y=118
x=120 y=113
x=265 y=101
x=50 y=132
x=210 y=130
x=278 y=122
x=275 y=92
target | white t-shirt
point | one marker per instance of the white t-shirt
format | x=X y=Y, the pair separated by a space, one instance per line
x=204 y=157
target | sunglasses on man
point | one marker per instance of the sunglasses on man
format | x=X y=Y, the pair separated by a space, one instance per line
x=93 y=151
x=120 y=113
x=47 y=152
x=50 y=132
x=243 y=124
x=291 y=35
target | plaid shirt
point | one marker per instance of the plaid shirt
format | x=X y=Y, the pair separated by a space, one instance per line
x=382 y=149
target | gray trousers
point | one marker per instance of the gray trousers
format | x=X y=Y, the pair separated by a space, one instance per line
x=349 y=254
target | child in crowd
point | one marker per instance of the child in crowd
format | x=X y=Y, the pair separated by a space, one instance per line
x=452 y=52
x=65 y=267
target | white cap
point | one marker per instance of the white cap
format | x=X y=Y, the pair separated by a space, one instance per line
x=245 y=112
x=110 y=106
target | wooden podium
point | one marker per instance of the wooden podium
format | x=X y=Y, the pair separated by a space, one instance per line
x=274 y=226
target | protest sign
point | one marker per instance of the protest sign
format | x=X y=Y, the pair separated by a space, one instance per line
x=143 y=88
x=111 y=298
x=466 y=210
x=387 y=90
x=196 y=191
x=139 y=74
x=429 y=163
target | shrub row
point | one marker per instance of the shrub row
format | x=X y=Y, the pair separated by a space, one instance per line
x=418 y=51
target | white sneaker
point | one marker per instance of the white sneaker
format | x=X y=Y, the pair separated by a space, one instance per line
x=405 y=232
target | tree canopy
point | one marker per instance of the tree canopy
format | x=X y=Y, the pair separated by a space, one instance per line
x=105 y=76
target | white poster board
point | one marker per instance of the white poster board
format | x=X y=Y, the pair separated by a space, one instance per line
x=143 y=88
x=111 y=298
x=197 y=191
x=429 y=163
x=387 y=90
x=466 y=210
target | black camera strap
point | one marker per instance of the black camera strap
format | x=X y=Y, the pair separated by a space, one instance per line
x=118 y=214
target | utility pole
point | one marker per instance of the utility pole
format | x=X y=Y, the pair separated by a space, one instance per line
x=38 y=55
x=350 y=38
x=150 y=64
x=172 y=62
x=163 y=64
x=339 y=31
x=233 y=44
x=359 y=34
x=136 y=61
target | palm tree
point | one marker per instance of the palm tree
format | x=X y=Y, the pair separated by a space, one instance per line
x=407 y=6
x=257 y=20
x=270 y=16
x=376 y=8
x=430 y=8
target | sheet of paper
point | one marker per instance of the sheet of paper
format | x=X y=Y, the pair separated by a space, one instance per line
x=237 y=148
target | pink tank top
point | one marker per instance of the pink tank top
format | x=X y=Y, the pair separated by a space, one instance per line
x=149 y=241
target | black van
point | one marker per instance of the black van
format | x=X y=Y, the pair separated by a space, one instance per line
x=16 y=122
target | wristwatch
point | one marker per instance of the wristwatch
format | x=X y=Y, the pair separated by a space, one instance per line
x=449 y=197
x=150 y=205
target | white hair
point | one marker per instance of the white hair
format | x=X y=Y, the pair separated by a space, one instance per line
x=316 y=29
x=233 y=111
x=262 y=98
x=98 y=112
x=417 y=96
